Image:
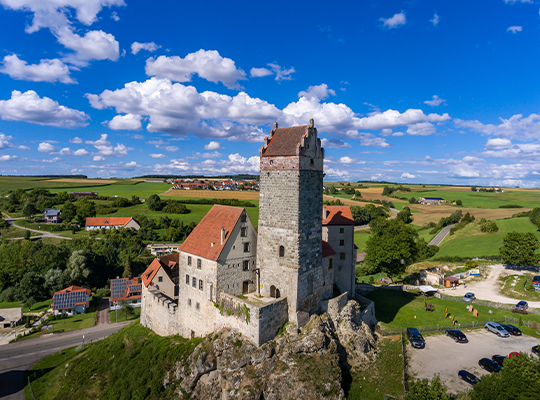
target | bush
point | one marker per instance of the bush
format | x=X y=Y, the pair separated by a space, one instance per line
x=510 y=206
x=8 y=294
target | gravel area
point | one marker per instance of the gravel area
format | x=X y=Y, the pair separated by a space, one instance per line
x=445 y=357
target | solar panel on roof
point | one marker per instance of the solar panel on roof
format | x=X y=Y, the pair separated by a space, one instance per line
x=118 y=287
x=68 y=300
x=135 y=288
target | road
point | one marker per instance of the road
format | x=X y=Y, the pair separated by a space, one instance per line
x=44 y=234
x=357 y=228
x=441 y=235
x=16 y=358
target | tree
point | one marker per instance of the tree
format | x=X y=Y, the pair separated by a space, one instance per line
x=29 y=209
x=535 y=216
x=519 y=248
x=333 y=190
x=27 y=235
x=473 y=188
x=391 y=246
x=459 y=203
x=154 y=203
x=69 y=211
x=405 y=215
x=424 y=390
x=412 y=200
x=126 y=309
x=29 y=303
x=127 y=268
x=32 y=286
x=77 y=267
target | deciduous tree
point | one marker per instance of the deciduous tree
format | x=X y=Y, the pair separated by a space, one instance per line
x=519 y=248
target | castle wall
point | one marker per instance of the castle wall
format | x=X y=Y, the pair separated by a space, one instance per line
x=334 y=306
x=159 y=313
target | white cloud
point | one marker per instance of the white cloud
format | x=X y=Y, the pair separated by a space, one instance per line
x=514 y=29
x=46 y=71
x=386 y=132
x=99 y=158
x=396 y=21
x=214 y=154
x=158 y=155
x=346 y=160
x=367 y=139
x=319 y=92
x=94 y=45
x=498 y=144
x=336 y=173
x=76 y=140
x=208 y=64
x=151 y=47
x=282 y=74
x=516 y=127
x=21 y=147
x=45 y=147
x=130 y=122
x=235 y=163
x=212 y=146
x=435 y=102
x=260 y=72
x=81 y=152
x=407 y=175
x=421 y=129
x=171 y=149
x=7 y=158
x=5 y=141
x=114 y=15
x=106 y=149
x=52 y=160
x=435 y=20
x=29 y=107
x=66 y=151
x=517 y=1
x=334 y=143
x=393 y=118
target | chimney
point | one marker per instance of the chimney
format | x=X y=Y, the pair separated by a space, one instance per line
x=324 y=213
x=222 y=235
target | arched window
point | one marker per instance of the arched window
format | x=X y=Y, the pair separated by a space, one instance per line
x=281 y=251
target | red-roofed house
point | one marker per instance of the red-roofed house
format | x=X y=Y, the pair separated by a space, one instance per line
x=338 y=231
x=71 y=300
x=126 y=289
x=111 y=223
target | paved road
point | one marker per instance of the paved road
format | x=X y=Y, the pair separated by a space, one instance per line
x=44 y=234
x=16 y=358
x=394 y=211
x=103 y=312
x=441 y=235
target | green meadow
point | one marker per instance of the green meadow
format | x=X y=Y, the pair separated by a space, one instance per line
x=125 y=189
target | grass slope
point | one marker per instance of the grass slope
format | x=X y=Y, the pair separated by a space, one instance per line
x=130 y=364
x=122 y=189
x=525 y=198
x=470 y=242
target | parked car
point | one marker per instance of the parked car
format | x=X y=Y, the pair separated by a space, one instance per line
x=498 y=359
x=468 y=377
x=511 y=329
x=416 y=339
x=489 y=365
x=536 y=349
x=458 y=336
x=522 y=305
x=536 y=279
x=497 y=329
x=469 y=297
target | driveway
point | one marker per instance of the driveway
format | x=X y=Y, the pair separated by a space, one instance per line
x=445 y=357
x=103 y=312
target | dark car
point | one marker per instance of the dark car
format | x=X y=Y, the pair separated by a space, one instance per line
x=458 y=336
x=416 y=339
x=536 y=349
x=522 y=305
x=498 y=359
x=536 y=279
x=468 y=377
x=511 y=329
x=489 y=365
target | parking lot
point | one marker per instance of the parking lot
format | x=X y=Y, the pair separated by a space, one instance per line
x=445 y=357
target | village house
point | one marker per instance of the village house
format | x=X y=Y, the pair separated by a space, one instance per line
x=431 y=200
x=126 y=289
x=10 y=317
x=160 y=249
x=71 y=300
x=97 y=223
x=51 y=215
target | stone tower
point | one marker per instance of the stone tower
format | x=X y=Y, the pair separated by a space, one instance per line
x=289 y=249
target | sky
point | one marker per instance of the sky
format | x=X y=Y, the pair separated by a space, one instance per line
x=417 y=91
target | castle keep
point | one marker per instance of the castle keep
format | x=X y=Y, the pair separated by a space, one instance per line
x=227 y=274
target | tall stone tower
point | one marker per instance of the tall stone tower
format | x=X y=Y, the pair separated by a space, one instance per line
x=289 y=247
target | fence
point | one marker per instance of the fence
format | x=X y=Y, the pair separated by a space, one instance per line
x=403 y=357
x=485 y=303
x=516 y=321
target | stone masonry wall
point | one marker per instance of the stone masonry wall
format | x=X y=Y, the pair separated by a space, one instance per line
x=159 y=313
x=334 y=306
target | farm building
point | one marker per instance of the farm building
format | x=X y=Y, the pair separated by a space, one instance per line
x=10 y=317
x=431 y=200
x=71 y=300
x=111 y=223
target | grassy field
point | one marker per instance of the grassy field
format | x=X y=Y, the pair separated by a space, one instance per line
x=115 y=316
x=513 y=286
x=13 y=232
x=38 y=307
x=8 y=183
x=396 y=310
x=125 y=188
x=360 y=239
x=470 y=242
x=215 y=194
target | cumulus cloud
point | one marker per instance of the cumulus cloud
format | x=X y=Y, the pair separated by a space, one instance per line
x=151 y=47
x=29 y=107
x=130 y=122
x=282 y=74
x=498 y=144
x=421 y=129
x=407 y=175
x=66 y=151
x=235 y=163
x=435 y=20
x=94 y=45
x=334 y=143
x=45 y=147
x=5 y=141
x=394 y=22
x=517 y=126
x=435 y=102
x=76 y=140
x=212 y=146
x=346 y=160
x=514 y=29
x=336 y=173
x=7 y=158
x=260 y=72
x=208 y=64
x=158 y=155
x=319 y=92
x=52 y=160
x=46 y=71
x=106 y=149
x=114 y=15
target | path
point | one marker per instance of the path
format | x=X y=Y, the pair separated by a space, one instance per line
x=488 y=289
x=357 y=228
x=441 y=235
x=103 y=312
x=44 y=234
x=16 y=358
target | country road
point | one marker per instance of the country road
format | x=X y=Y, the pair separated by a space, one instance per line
x=16 y=358
x=44 y=234
x=441 y=235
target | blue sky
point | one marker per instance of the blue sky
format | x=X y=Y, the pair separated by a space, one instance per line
x=409 y=91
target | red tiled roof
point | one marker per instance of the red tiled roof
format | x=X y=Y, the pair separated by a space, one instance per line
x=285 y=141
x=208 y=231
x=338 y=215
x=327 y=250
x=160 y=262
x=126 y=293
x=108 y=221
x=74 y=288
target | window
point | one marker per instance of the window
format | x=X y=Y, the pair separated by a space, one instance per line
x=342 y=242
x=246 y=265
x=341 y=230
x=199 y=263
x=189 y=260
x=200 y=284
x=342 y=256
x=330 y=263
x=243 y=232
x=160 y=279
x=187 y=279
x=243 y=218
x=198 y=306
x=194 y=282
x=189 y=302
x=310 y=285
x=281 y=251
x=246 y=247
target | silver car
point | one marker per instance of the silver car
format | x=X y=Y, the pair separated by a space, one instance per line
x=469 y=297
x=497 y=329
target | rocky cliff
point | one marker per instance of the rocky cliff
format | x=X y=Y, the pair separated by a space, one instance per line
x=312 y=363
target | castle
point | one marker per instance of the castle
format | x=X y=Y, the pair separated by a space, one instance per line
x=228 y=275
